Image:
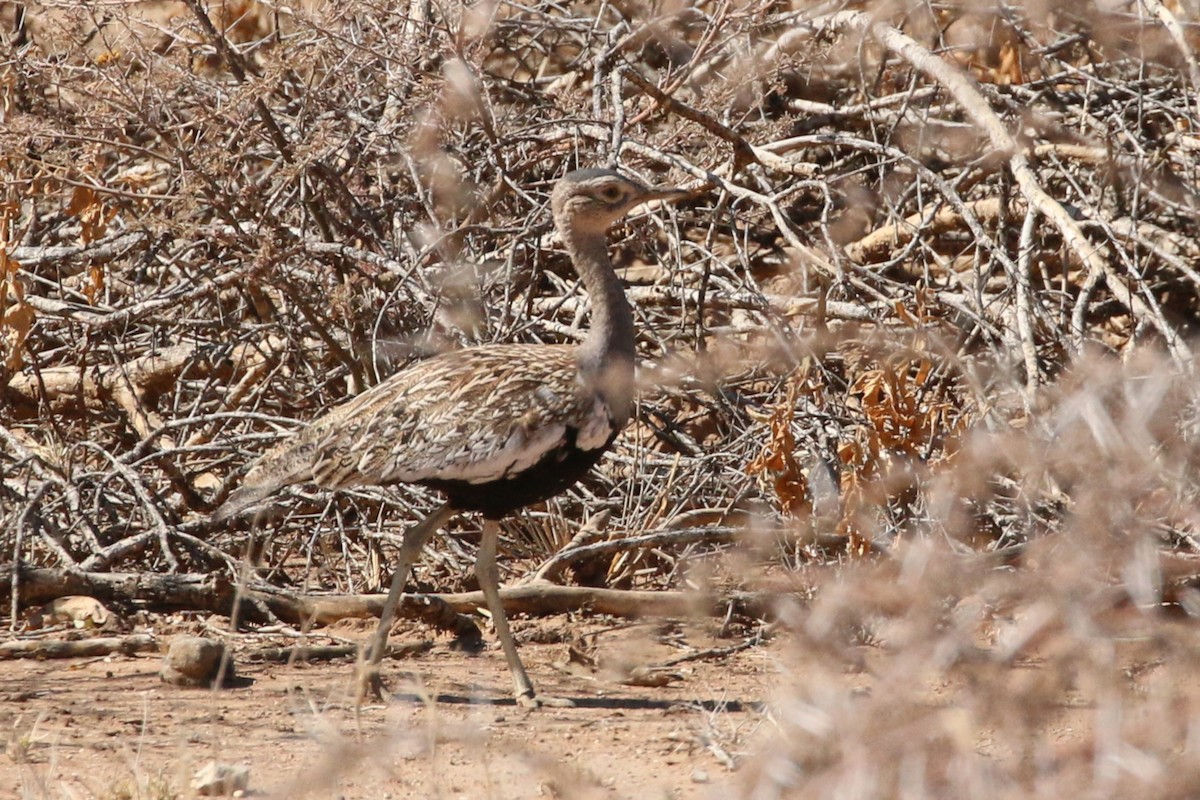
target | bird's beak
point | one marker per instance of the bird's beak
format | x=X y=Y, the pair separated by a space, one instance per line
x=662 y=194
x=667 y=194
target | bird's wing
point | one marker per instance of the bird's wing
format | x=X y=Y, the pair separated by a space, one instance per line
x=473 y=415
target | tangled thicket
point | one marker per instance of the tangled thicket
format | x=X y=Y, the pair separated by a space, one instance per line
x=939 y=280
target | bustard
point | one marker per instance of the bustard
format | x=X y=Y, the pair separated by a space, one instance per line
x=494 y=428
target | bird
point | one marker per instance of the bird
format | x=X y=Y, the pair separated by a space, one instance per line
x=493 y=428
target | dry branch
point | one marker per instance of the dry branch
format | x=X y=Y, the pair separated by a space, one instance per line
x=260 y=603
x=78 y=648
x=1096 y=257
x=130 y=382
x=881 y=243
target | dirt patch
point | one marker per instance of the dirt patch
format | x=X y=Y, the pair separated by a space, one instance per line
x=110 y=728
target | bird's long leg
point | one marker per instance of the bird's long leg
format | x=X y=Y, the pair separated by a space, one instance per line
x=489 y=582
x=415 y=539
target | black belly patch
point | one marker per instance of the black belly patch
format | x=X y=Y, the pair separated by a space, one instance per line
x=557 y=471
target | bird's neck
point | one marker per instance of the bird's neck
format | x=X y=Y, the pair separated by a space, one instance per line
x=607 y=355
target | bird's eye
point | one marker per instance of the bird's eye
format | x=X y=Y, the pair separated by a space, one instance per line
x=611 y=194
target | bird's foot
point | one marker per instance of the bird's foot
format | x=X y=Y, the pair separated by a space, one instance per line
x=371 y=688
x=530 y=700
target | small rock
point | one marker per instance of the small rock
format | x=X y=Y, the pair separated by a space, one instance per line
x=194 y=661
x=218 y=779
x=699 y=776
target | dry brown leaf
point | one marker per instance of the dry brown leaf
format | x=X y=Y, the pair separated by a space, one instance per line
x=17 y=319
x=87 y=206
x=778 y=456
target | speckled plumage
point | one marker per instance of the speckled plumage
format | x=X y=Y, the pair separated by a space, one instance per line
x=479 y=416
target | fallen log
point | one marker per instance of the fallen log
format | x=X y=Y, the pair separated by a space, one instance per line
x=260 y=602
x=77 y=648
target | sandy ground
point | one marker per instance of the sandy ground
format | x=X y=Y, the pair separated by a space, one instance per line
x=109 y=728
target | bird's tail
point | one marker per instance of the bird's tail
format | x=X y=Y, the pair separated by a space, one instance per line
x=287 y=463
x=278 y=468
x=240 y=501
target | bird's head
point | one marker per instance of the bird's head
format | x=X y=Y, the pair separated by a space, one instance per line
x=591 y=200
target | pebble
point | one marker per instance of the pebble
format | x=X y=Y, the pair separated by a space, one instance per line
x=194 y=661
x=221 y=779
